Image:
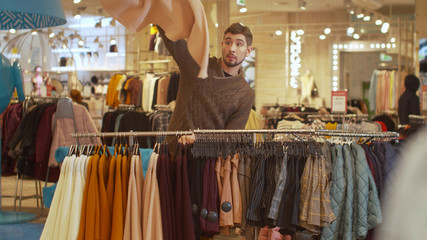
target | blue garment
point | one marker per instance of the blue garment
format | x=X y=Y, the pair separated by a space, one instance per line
x=145 y=158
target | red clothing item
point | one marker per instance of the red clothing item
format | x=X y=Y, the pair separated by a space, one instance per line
x=42 y=149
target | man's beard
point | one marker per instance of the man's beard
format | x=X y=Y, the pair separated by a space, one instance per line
x=232 y=64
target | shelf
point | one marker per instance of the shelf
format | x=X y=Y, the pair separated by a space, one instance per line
x=155 y=61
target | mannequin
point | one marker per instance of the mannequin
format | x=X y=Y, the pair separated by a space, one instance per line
x=307 y=85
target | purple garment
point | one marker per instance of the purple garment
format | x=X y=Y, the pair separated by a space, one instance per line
x=210 y=199
x=11 y=120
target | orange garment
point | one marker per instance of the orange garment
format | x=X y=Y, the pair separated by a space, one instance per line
x=235 y=189
x=105 y=214
x=128 y=94
x=117 y=222
x=112 y=94
x=92 y=209
x=84 y=203
x=225 y=218
x=125 y=181
x=111 y=180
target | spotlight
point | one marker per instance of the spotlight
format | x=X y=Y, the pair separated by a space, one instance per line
x=77 y=15
x=352 y=12
x=322 y=37
x=360 y=15
x=76 y=1
x=302 y=4
x=216 y=25
x=367 y=18
x=279 y=33
x=12 y=30
x=243 y=10
x=81 y=42
x=393 y=39
x=378 y=22
x=113 y=41
x=50 y=33
x=356 y=36
x=34 y=32
x=327 y=30
x=300 y=32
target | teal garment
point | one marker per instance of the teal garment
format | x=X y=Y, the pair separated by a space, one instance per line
x=367 y=209
x=337 y=193
x=145 y=158
x=348 y=214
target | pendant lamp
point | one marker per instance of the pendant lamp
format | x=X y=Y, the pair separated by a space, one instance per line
x=22 y=14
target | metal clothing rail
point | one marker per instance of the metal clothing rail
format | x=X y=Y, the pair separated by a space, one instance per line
x=258 y=131
x=339 y=116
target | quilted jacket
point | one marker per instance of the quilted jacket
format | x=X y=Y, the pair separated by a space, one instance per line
x=354 y=197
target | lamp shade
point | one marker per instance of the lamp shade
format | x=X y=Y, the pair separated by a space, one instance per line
x=31 y=14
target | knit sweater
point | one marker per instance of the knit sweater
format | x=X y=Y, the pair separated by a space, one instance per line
x=216 y=102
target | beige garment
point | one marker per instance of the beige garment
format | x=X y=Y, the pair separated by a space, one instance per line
x=180 y=19
x=235 y=190
x=224 y=180
x=162 y=91
x=132 y=229
x=151 y=218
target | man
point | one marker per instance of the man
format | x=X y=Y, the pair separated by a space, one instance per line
x=223 y=100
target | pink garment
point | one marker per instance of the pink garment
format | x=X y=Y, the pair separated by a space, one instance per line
x=180 y=19
x=65 y=127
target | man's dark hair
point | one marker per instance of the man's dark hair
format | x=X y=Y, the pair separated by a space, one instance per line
x=237 y=28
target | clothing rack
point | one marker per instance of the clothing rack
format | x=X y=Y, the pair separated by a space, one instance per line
x=340 y=116
x=127 y=107
x=417 y=118
x=258 y=131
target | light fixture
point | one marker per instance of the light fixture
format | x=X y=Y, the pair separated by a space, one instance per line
x=367 y=18
x=243 y=9
x=322 y=37
x=279 y=32
x=76 y=1
x=382 y=45
x=384 y=27
x=34 y=32
x=300 y=32
x=113 y=41
x=302 y=4
x=393 y=39
x=378 y=22
x=360 y=15
x=350 y=31
x=327 y=30
x=388 y=45
x=77 y=15
x=113 y=22
x=98 y=24
x=50 y=33
x=393 y=45
x=81 y=42
x=352 y=11
x=12 y=30
x=356 y=36
x=216 y=25
x=372 y=45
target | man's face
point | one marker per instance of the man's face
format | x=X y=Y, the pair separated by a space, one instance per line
x=235 y=49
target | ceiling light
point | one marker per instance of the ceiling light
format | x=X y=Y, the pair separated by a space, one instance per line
x=302 y=4
x=352 y=11
x=393 y=45
x=378 y=22
x=279 y=33
x=393 y=39
x=81 y=42
x=386 y=25
x=34 y=32
x=12 y=30
x=356 y=36
x=377 y=45
x=350 y=30
x=361 y=45
x=360 y=15
x=216 y=25
x=52 y=34
x=322 y=37
x=300 y=32
x=367 y=18
x=243 y=10
x=382 y=45
x=388 y=45
x=113 y=41
x=77 y=15
x=76 y=1
x=327 y=30
x=372 y=45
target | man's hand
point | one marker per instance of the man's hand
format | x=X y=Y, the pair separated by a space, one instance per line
x=187 y=139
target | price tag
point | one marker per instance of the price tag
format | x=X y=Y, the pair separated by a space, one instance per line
x=424 y=97
x=339 y=102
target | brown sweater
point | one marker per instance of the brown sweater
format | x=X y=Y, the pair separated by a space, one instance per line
x=216 y=102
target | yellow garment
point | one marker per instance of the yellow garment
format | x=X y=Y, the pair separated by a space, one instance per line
x=118 y=218
x=105 y=214
x=331 y=126
x=125 y=181
x=111 y=181
x=153 y=30
x=112 y=94
x=254 y=123
x=82 y=229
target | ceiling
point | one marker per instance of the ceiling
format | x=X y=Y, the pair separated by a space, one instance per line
x=93 y=7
